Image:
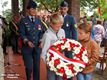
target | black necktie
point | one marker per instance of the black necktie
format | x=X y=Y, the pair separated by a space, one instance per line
x=32 y=19
x=63 y=16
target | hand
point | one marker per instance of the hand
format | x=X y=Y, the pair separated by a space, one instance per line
x=40 y=45
x=30 y=44
x=43 y=58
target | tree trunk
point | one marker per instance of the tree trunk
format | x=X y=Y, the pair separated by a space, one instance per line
x=15 y=7
x=74 y=8
x=25 y=3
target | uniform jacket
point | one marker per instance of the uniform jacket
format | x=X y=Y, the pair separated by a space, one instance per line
x=70 y=27
x=49 y=38
x=93 y=54
x=31 y=31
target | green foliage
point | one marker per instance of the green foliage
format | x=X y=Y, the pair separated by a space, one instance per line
x=92 y=4
x=8 y=15
x=96 y=15
x=49 y=5
x=103 y=5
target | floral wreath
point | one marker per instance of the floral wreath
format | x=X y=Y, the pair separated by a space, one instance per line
x=63 y=66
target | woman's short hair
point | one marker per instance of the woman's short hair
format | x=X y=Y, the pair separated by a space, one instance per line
x=99 y=21
x=85 y=26
x=56 y=18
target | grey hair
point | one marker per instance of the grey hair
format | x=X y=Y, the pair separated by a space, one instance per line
x=56 y=18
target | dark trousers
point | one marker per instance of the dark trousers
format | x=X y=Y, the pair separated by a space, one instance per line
x=14 y=43
x=31 y=57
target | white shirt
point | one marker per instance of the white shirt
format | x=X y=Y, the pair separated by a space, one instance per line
x=99 y=32
x=49 y=38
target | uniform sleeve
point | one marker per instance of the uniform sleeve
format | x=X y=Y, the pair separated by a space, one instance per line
x=74 y=29
x=45 y=46
x=22 y=30
x=94 y=53
x=42 y=30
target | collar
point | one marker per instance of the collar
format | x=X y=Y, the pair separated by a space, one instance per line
x=53 y=30
x=31 y=16
x=65 y=15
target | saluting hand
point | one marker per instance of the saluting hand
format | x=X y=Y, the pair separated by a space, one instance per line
x=30 y=44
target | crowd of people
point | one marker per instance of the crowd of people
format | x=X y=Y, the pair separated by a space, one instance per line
x=33 y=35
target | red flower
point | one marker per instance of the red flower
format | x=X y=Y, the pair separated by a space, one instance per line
x=64 y=39
x=77 y=45
x=59 y=45
x=51 y=55
x=70 y=66
x=64 y=76
x=72 y=45
x=82 y=49
x=61 y=70
x=56 y=62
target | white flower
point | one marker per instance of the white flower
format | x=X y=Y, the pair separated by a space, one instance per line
x=69 y=49
x=68 y=72
x=63 y=62
x=67 y=45
x=85 y=52
x=51 y=63
x=85 y=59
x=60 y=74
x=58 y=42
x=59 y=66
x=76 y=68
x=62 y=47
x=76 y=50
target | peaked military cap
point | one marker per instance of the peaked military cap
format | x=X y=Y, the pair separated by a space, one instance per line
x=31 y=4
x=64 y=4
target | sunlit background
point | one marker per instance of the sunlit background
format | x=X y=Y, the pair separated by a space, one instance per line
x=4 y=4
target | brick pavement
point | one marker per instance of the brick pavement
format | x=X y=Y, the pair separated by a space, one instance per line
x=17 y=72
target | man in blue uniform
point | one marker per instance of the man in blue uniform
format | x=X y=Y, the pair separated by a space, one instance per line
x=31 y=32
x=69 y=22
x=69 y=25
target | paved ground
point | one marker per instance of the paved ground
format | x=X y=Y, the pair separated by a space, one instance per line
x=15 y=70
x=99 y=75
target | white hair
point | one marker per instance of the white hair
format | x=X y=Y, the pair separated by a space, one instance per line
x=56 y=18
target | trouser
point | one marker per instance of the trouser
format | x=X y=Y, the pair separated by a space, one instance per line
x=82 y=76
x=52 y=76
x=14 y=43
x=31 y=57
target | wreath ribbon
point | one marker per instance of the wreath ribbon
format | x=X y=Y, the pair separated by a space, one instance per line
x=64 y=58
